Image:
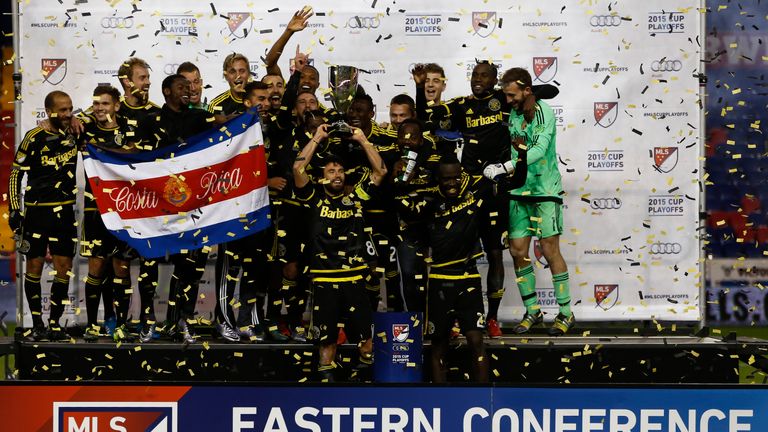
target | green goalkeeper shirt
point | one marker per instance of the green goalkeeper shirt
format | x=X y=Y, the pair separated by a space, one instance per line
x=543 y=182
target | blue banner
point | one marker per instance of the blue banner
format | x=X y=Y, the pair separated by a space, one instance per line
x=297 y=408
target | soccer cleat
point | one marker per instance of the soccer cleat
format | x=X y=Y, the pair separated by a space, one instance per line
x=109 y=326
x=148 y=332
x=228 y=333
x=562 y=324
x=122 y=334
x=185 y=332
x=494 y=331
x=275 y=333
x=299 y=335
x=528 y=322
x=36 y=334
x=57 y=334
x=91 y=334
x=251 y=334
x=325 y=374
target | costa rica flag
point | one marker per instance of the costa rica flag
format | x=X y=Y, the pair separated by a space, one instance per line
x=208 y=190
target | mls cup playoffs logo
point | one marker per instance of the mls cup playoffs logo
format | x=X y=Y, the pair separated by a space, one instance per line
x=239 y=24
x=544 y=69
x=484 y=23
x=606 y=295
x=54 y=70
x=400 y=332
x=665 y=158
x=606 y=113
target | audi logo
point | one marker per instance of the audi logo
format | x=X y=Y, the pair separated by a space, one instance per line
x=605 y=21
x=116 y=22
x=358 y=22
x=605 y=203
x=170 y=68
x=666 y=66
x=660 y=248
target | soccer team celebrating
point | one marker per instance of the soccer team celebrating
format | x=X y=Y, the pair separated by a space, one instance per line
x=409 y=205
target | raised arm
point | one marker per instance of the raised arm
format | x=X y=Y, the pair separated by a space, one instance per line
x=300 y=177
x=374 y=158
x=297 y=23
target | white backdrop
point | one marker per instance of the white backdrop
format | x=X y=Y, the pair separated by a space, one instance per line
x=628 y=110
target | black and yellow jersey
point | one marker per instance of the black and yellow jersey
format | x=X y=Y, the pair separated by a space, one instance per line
x=121 y=137
x=482 y=121
x=48 y=160
x=453 y=224
x=337 y=238
x=227 y=103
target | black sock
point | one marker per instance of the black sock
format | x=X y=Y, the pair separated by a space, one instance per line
x=122 y=289
x=34 y=294
x=59 y=294
x=92 y=298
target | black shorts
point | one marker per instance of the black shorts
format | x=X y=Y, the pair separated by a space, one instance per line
x=340 y=304
x=45 y=229
x=494 y=223
x=292 y=229
x=454 y=295
x=97 y=241
x=384 y=234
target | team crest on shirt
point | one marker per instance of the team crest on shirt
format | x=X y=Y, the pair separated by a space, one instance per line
x=54 y=70
x=176 y=192
x=347 y=201
x=494 y=104
x=445 y=124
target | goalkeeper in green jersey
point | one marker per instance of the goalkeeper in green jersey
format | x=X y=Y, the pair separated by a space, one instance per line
x=535 y=208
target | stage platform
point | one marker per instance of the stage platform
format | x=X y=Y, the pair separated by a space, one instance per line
x=534 y=359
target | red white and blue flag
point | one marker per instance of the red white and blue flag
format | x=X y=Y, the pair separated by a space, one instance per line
x=209 y=190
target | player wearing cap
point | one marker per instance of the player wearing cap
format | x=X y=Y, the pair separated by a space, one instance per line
x=536 y=207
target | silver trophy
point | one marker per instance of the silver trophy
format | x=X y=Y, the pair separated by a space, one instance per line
x=343 y=83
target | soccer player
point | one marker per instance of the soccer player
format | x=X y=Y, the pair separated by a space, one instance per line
x=192 y=73
x=110 y=132
x=401 y=107
x=142 y=114
x=413 y=248
x=237 y=73
x=480 y=117
x=337 y=249
x=178 y=122
x=454 y=209
x=134 y=79
x=47 y=221
x=274 y=76
x=536 y=207
x=383 y=226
